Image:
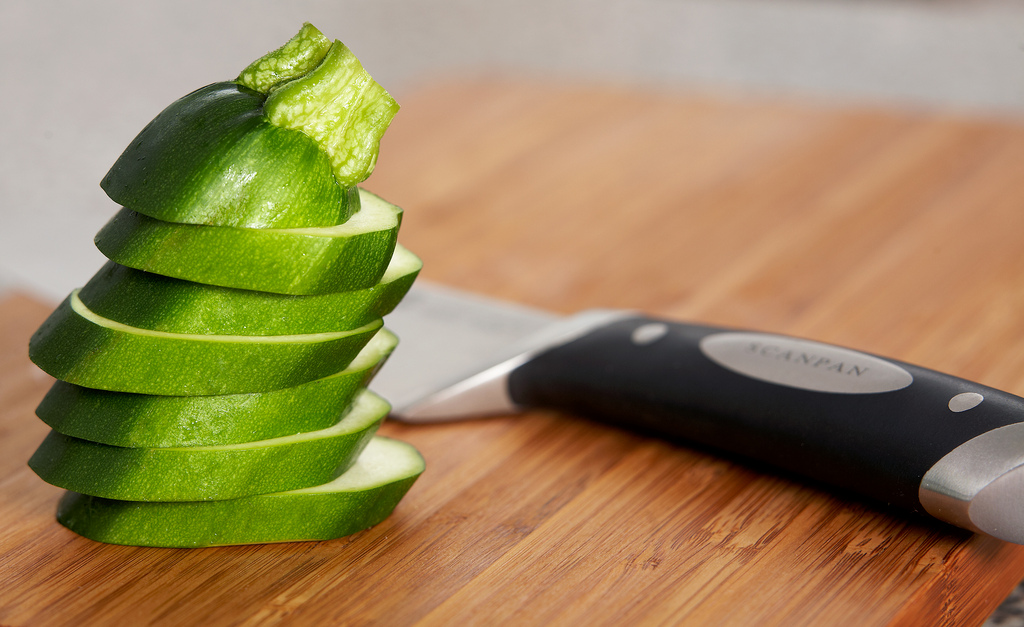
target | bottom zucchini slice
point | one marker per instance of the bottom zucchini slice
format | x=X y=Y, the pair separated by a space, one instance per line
x=360 y=498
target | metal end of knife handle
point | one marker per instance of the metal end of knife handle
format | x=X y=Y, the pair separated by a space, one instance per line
x=979 y=485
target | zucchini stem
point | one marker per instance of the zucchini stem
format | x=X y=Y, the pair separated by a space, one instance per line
x=298 y=57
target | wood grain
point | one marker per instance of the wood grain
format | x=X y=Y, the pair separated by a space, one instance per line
x=893 y=232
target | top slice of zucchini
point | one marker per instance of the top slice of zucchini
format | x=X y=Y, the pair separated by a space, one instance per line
x=283 y=146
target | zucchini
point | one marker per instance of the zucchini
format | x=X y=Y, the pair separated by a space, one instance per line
x=212 y=157
x=77 y=346
x=362 y=497
x=349 y=256
x=152 y=421
x=200 y=473
x=201 y=373
x=160 y=303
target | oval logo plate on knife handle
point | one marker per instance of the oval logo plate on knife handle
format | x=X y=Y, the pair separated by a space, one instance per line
x=803 y=364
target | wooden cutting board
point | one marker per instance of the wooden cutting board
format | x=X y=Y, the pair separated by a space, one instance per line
x=898 y=233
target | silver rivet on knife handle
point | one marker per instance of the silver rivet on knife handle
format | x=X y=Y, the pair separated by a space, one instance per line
x=979 y=485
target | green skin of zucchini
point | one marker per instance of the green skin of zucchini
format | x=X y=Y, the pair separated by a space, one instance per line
x=144 y=420
x=158 y=303
x=352 y=256
x=212 y=157
x=75 y=349
x=209 y=473
x=278 y=517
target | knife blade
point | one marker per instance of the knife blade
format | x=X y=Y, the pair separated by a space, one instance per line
x=897 y=433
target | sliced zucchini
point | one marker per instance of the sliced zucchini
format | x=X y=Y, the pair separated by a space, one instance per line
x=361 y=498
x=80 y=347
x=349 y=256
x=210 y=472
x=146 y=420
x=212 y=157
x=159 y=303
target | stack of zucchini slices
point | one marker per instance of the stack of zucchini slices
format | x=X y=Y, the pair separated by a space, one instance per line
x=212 y=376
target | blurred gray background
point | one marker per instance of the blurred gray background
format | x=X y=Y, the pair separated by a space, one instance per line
x=80 y=79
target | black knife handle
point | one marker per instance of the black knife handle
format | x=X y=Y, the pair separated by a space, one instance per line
x=856 y=421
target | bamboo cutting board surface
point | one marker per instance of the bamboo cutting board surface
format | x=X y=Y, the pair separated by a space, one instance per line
x=898 y=233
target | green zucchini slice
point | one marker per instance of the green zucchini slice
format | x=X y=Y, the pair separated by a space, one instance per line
x=349 y=256
x=361 y=498
x=159 y=303
x=80 y=347
x=200 y=473
x=212 y=157
x=146 y=420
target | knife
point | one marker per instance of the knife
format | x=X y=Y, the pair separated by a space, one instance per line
x=900 y=434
